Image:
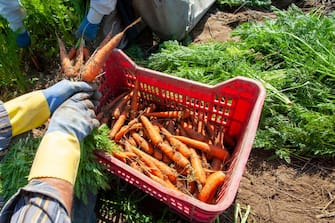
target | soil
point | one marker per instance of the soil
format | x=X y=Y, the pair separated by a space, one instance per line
x=302 y=191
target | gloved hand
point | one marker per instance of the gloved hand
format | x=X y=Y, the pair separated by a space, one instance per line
x=33 y=109
x=23 y=39
x=87 y=30
x=62 y=90
x=59 y=152
x=75 y=116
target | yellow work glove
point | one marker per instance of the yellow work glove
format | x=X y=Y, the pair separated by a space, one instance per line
x=33 y=109
x=58 y=154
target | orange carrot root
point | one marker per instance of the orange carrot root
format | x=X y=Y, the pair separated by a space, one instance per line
x=212 y=183
x=95 y=63
x=65 y=61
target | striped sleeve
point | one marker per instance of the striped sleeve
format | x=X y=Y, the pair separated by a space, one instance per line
x=5 y=130
x=38 y=202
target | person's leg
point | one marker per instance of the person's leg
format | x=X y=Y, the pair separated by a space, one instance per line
x=127 y=16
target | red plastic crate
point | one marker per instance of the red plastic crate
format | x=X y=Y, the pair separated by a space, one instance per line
x=234 y=106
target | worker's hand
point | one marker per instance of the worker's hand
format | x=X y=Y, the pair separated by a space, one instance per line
x=23 y=39
x=87 y=30
x=61 y=91
x=33 y=109
x=75 y=116
x=58 y=154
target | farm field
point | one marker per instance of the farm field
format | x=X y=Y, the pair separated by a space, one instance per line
x=274 y=190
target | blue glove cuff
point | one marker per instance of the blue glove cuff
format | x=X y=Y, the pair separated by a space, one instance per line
x=87 y=30
x=58 y=93
x=23 y=39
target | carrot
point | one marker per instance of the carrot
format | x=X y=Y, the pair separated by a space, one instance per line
x=118 y=124
x=86 y=53
x=134 y=104
x=152 y=107
x=143 y=144
x=80 y=58
x=158 y=154
x=175 y=143
x=100 y=116
x=190 y=132
x=165 y=183
x=170 y=126
x=145 y=158
x=216 y=164
x=124 y=129
x=123 y=156
x=97 y=60
x=131 y=141
x=199 y=172
x=72 y=53
x=166 y=159
x=204 y=160
x=216 y=151
x=154 y=136
x=175 y=156
x=212 y=183
x=119 y=106
x=109 y=106
x=135 y=165
x=165 y=169
x=210 y=131
x=169 y=114
x=65 y=61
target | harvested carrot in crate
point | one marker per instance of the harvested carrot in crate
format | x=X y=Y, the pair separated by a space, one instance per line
x=201 y=181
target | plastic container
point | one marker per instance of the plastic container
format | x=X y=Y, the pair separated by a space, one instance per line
x=234 y=106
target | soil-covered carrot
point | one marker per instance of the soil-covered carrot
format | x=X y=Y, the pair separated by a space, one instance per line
x=152 y=168
x=65 y=61
x=219 y=152
x=157 y=154
x=99 y=57
x=165 y=169
x=86 y=53
x=181 y=147
x=124 y=129
x=118 y=124
x=80 y=58
x=212 y=183
x=192 y=133
x=113 y=102
x=197 y=168
x=165 y=183
x=123 y=156
x=72 y=53
x=154 y=136
x=174 y=155
x=134 y=104
x=142 y=143
x=120 y=105
x=216 y=164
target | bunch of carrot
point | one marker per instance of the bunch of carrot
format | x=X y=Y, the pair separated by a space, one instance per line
x=80 y=65
x=175 y=148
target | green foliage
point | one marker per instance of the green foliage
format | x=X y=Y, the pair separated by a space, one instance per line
x=15 y=166
x=252 y=3
x=91 y=177
x=44 y=19
x=292 y=57
x=11 y=75
x=130 y=204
